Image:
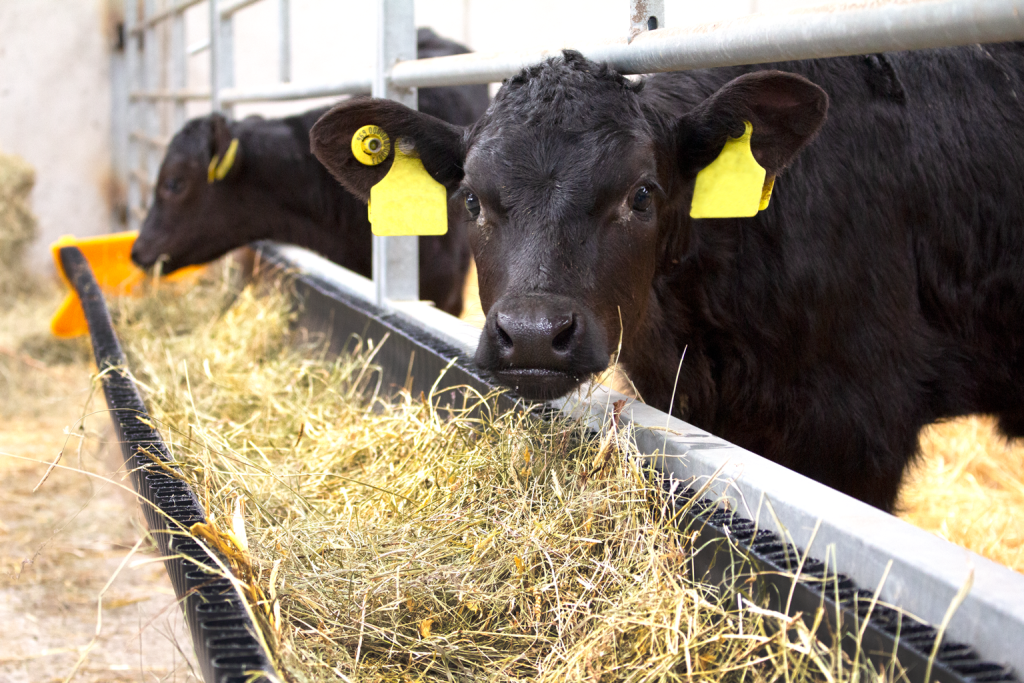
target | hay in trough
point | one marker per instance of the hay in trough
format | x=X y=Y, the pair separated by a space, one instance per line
x=379 y=540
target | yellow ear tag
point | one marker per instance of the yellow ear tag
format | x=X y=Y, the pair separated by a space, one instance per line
x=731 y=186
x=371 y=145
x=408 y=201
x=766 y=192
x=218 y=167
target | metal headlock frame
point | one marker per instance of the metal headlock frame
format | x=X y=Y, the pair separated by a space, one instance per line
x=914 y=570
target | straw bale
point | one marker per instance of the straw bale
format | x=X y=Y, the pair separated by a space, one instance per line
x=379 y=540
x=968 y=487
x=17 y=223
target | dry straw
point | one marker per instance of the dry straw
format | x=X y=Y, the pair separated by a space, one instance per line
x=381 y=541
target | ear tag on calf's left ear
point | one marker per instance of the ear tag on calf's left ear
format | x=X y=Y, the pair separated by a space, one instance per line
x=371 y=145
x=218 y=167
x=733 y=185
x=407 y=201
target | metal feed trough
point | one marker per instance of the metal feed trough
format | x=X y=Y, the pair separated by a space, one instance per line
x=771 y=517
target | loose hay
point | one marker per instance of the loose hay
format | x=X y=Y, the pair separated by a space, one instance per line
x=381 y=541
x=968 y=487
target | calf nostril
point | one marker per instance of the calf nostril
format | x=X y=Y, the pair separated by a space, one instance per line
x=563 y=340
x=504 y=341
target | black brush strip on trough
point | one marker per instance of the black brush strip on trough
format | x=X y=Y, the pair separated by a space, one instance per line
x=730 y=551
x=225 y=639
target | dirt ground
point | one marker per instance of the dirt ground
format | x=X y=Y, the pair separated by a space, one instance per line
x=62 y=545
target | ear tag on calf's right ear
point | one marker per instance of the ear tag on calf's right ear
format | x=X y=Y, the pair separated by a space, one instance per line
x=733 y=185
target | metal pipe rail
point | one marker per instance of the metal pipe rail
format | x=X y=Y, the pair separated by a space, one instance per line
x=799 y=34
x=156 y=18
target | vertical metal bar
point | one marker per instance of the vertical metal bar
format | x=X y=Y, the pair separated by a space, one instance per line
x=645 y=15
x=227 y=59
x=215 y=64
x=179 y=68
x=131 y=58
x=151 y=125
x=395 y=259
x=285 y=40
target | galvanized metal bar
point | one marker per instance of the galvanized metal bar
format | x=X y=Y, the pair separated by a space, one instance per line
x=276 y=93
x=229 y=8
x=215 y=59
x=395 y=259
x=137 y=27
x=131 y=59
x=284 y=41
x=151 y=60
x=160 y=141
x=196 y=48
x=182 y=95
x=798 y=34
x=645 y=15
x=179 y=70
x=226 y=75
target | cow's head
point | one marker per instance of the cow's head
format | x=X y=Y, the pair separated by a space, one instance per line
x=198 y=211
x=575 y=191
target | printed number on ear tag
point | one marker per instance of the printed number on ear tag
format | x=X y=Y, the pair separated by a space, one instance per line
x=733 y=185
x=408 y=201
x=371 y=145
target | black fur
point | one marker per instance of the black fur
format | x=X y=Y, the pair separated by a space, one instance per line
x=278 y=190
x=882 y=289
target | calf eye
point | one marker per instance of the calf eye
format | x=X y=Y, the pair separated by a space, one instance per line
x=174 y=185
x=642 y=199
x=472 y=204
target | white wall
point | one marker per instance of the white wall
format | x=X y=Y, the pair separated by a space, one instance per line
x=55 y=110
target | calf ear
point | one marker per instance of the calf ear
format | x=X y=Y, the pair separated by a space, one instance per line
x=785 y=110
x=225 y=152
x=438 y=144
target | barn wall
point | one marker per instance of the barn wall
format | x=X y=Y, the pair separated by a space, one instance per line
x=55 y=110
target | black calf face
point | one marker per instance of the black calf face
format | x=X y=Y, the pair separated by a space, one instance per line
x=191 y=219
x=564 y=230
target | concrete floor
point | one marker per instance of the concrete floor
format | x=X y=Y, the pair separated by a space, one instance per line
x=60 y=546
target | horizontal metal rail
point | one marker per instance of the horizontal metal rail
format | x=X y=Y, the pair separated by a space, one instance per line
x=296 y=91
x=154 y=19
x=153 y=141
x=756 y=39
x=180 y=95
x=227 y=10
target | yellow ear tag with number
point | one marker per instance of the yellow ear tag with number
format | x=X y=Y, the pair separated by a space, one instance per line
x=733 y=185
x=407 y=201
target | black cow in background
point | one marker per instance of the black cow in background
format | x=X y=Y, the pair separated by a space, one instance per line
x=276 y=189
x=881 y=290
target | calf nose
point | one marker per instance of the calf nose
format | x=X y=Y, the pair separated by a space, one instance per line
x=535 y=332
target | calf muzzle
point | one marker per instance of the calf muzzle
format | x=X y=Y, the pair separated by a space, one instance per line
x=541 y=346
